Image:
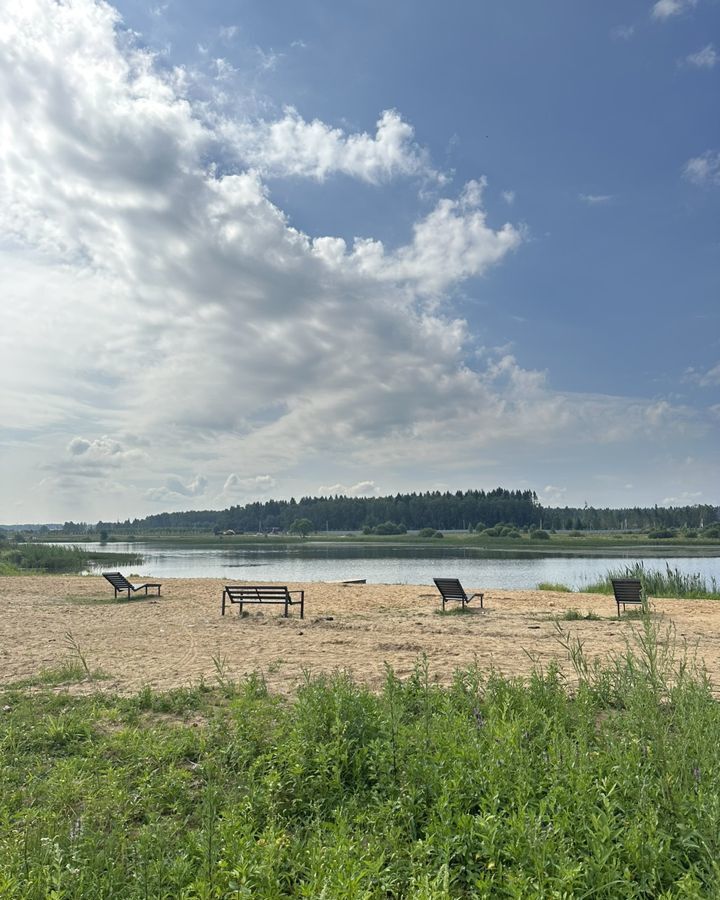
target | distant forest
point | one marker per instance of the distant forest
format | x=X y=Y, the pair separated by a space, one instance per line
x=444 y=511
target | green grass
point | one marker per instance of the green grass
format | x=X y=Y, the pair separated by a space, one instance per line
x=554 y=586
x=670 y=583
x=572 y=542
x=574 y=615
x=490 y=787
x=457 y=611
x=34 y=558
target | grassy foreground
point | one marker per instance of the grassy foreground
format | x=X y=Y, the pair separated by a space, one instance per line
x=487 y=788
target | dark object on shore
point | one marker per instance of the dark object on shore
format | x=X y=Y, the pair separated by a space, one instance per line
x=451 y=589
x=120 y=584
x=262 y=594
x=627 y=590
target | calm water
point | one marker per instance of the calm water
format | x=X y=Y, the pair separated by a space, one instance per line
x=388 y=565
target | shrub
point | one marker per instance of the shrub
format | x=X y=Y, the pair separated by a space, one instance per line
x=662 y=533
x=427 y=532
x=538 y=534
x=390 y=528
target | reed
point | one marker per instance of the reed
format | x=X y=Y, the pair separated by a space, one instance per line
x=656 y=583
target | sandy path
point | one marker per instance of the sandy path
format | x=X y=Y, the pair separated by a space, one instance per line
x=174 y=640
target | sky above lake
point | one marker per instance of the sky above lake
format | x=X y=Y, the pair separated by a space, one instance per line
x=271 y=249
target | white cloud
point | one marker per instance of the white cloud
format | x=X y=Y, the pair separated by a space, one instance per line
x=665 y=9
x=596 y=199
x=707 y=58
x=686 y=498
x=704 y=169
x=198 y=328
x=552 y=495
x=238 y=489
x=291 y=146
x=101 y=453
x=176 y=489
x=709 y=378
x=623 y=32
x=361 y=489
x=509 y=197
x=228 y=32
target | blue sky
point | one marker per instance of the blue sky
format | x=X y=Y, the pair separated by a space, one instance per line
x=273 y=249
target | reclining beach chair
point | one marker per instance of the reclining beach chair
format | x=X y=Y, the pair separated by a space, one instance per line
x=120 y=584
x=451 y=589
x=627 y=590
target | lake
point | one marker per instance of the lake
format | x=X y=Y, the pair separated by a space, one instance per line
x=389 y=565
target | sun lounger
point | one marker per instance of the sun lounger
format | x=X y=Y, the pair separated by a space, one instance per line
x=451 y=589
x=121 y=584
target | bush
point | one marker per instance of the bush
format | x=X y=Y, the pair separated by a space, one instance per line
x=427 y=532
x=538 y=534
x=662 y=533
x=389 y=528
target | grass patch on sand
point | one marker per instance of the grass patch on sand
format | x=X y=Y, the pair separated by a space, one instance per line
x=73 y=669
x=490 y=787
x=554 y=586
x=574 y=615
x=458 y=611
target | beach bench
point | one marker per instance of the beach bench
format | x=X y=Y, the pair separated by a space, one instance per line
x=121 y=584
x=627 y=591
x=451 y=589
x=262 y=594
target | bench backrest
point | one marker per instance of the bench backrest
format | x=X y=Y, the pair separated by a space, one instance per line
x=118 y=581
x=450 y=588
x=271 y=593
x=627 y=590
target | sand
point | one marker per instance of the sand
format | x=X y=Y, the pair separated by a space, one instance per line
x=181 y=637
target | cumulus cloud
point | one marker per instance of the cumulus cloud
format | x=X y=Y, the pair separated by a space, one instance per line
x=361 y=489
x=237 y=488
x=189 y=312
x=552 y=495
x=176 y=489
x=704 y=169
x=291 y=146
x=666 y=9
x=101 y=453
x=708 y=378
x=707 y=58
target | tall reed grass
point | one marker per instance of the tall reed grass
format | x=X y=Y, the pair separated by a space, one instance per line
x=670 y=583
x=491 y=787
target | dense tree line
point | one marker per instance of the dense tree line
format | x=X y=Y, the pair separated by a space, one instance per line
x=433 y=509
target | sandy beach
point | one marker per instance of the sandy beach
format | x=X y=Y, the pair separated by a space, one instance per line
x=181 y=637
